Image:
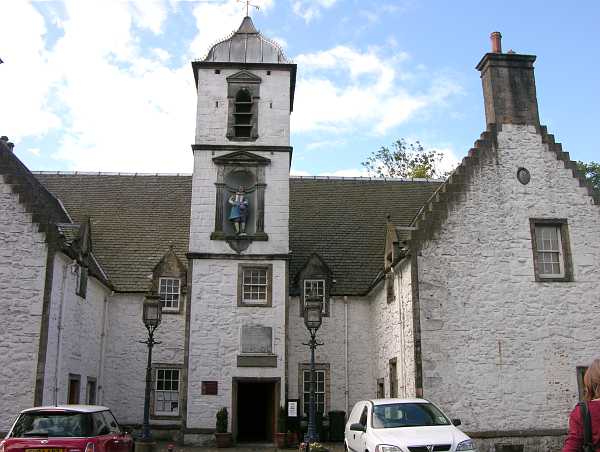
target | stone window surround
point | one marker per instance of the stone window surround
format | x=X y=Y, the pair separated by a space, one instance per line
x=171 y=309
x=240 y=285
x=562 y=223
x=156 y=366
x=91 y=382
x=74 y=378
x=243 y=80
x=390 y=289
x=326 y=367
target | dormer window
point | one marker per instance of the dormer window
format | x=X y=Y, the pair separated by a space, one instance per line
x=242 y=116
x=316 y=288
x=169 y=292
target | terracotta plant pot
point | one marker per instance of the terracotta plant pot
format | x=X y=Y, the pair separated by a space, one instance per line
x=280 y=440
x=224 y=439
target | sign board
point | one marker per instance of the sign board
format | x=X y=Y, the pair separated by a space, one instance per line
x=257 y=339
x=292 y=408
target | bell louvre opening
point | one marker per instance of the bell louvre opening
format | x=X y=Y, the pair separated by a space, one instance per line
x=243 y=114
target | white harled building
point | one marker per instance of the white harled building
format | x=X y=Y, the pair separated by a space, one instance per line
x=478 y=292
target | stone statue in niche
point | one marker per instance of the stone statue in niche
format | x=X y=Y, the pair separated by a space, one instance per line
x=239 y=211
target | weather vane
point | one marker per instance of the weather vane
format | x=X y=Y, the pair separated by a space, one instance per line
x=248 y=5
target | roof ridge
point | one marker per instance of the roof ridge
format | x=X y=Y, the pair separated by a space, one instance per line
x=368 y=178
x=108 y=173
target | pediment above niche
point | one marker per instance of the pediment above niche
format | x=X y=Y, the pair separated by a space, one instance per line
x=244 y=77
x=241 y=158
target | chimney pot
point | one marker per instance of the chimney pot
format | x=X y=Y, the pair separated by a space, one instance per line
x=496 y=38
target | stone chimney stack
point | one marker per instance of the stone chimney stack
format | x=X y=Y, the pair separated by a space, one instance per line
x=508 y=86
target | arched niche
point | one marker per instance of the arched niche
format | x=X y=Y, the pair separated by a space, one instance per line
x=245 y=170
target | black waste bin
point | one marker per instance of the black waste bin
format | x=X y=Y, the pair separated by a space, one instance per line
x=337 y=422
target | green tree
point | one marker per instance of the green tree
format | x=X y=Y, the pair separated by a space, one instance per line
x=592 y=173
x=405 y=160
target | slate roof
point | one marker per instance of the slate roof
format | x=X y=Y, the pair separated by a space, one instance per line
x=135 y=218
x=344 y=221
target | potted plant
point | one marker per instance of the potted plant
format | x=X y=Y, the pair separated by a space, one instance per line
x=281 y=435
x=223 y=438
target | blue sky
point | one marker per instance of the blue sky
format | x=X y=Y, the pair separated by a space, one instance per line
x=108 y=86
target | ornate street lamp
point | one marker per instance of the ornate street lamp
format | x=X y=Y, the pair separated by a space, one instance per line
x=151 y=315
x=313 y=317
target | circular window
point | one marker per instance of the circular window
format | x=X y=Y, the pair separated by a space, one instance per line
x=523 y=176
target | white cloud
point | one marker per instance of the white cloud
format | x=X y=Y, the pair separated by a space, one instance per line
x=311 y=9
x=295 y=172
x=325 y=144
x=25 y=78
x=345 y=89
x=216 y=20
x=34 y=151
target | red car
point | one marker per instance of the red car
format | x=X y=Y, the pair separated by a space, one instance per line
x=68 y=428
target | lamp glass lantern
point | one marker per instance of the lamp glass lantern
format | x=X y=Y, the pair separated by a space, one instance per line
x=313 y=313
x=152 y=313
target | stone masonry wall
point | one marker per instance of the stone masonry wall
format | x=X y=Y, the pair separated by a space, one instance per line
x=125 y=360
x=332 y=333
x=23 y=254
x=392 y=326
x=215 y=335
x=277 y=193
x=500 y=350
x=273 y=109
x=76 y=347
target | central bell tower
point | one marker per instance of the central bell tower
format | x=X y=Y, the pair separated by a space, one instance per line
x=239 y=239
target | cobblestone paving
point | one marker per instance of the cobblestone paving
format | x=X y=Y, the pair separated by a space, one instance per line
x=163 y=447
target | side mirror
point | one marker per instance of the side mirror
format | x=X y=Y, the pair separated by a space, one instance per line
x=358 y=427
x=456 y=422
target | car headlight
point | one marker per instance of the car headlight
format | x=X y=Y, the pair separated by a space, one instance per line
x=387 y=448
x=466 y=445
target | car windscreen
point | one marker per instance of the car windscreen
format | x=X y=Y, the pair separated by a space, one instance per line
x=396 y=415
x=51 y=424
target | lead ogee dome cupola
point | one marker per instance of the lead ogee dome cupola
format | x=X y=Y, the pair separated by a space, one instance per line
x=246 y=45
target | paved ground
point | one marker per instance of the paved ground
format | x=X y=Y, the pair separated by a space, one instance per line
x=162 y=447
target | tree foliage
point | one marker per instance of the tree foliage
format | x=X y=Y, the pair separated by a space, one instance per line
x=405 y=160
x=592 y=173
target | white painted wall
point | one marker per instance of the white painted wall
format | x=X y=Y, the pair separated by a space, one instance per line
x=215 y=326
x=75 y=348
x=332 y=333
x=126 y=358
x=273 y=122
x=499 y=348
x=22 y=271
x=392 y=326
x=277 y=193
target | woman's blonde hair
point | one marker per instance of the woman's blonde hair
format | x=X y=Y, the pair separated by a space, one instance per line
x=591 y=381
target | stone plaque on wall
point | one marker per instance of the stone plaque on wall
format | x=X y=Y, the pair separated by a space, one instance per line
x=257 y=339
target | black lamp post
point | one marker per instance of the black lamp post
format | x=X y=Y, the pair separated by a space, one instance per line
x=313 y=317
x=151 y=314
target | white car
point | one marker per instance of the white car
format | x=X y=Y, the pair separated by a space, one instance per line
x=403 y=425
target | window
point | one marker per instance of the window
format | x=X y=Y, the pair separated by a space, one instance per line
x=90 y=391
x=82 y=277
x=316 y=288
x=242 y=115
x=393 y=379
x=74 y=385
x=169 y=291
x=550 y=243
x=166 y=394
x=319 y=391
x=254 y=285
x=389 y=286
